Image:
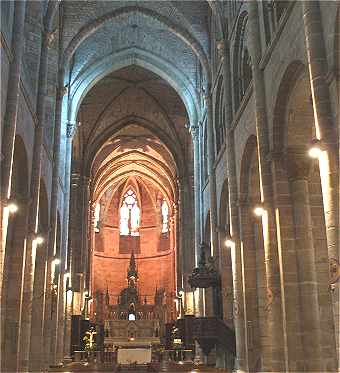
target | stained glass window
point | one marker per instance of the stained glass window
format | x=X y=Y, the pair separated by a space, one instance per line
x=165 y=216
x=129 y=215
x=97 y=218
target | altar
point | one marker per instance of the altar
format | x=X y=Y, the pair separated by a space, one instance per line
x=132 y=321
x=134 y=355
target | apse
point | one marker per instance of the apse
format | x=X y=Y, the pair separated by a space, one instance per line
x=132 y=143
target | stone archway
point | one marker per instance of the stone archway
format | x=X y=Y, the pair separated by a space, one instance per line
x=294 y=130
x=42 y=284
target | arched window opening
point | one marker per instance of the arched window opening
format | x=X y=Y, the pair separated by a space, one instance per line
x=205 y=154
x=219 y=118
x=97 y=218
x=242 y=64
x=165 y=217
x=273 y=11
x=129 y=215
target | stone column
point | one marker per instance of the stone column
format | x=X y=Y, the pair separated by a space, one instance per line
x=54 y=209
x=212 y=176
x=172 y=237
x=326 y=131
x=180 y=252
x=92 y=242
x=236 y=252
x=10 y=120
x=34 y=207
x=67 y=325
x=41 y=288
x=84 y=233
x=60 y=321
x=52 y=317
x=277 y=358
x=226 y=272
x=299 y=166
x=13 y=92
x=25 y=330
x=43 y=267
x=70 y=130
x=195 y=137
x=11 y=306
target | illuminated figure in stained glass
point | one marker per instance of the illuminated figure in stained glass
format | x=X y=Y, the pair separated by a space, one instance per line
x=97 y=217
x=165 y=216
x=129 y=215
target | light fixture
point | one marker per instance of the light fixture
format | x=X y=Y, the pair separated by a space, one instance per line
x=69 y=294
x=180 y=293
x=315 y=149
x=258 y=210
x=67 y=275
x=229 y=243
x=39 y=239
x=56 y=261
x=12 y=207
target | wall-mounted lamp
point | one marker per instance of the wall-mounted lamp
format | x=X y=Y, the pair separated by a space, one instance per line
x=258 y=210
x=180 y=293
x=229 y=242
x=39 y=240
x=12 y=207
x=56 y=261
x=67 y=275
x=315 y=149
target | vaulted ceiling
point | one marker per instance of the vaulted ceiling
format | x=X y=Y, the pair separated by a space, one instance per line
x=132 y=123
x=134 y=70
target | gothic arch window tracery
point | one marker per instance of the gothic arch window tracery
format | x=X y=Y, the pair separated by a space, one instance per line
x=219 y=117
x=242 y=61
x=129 y=214
x=205 y=153
x=273 y=11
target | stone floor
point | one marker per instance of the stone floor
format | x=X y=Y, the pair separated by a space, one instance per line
x=101 y=368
